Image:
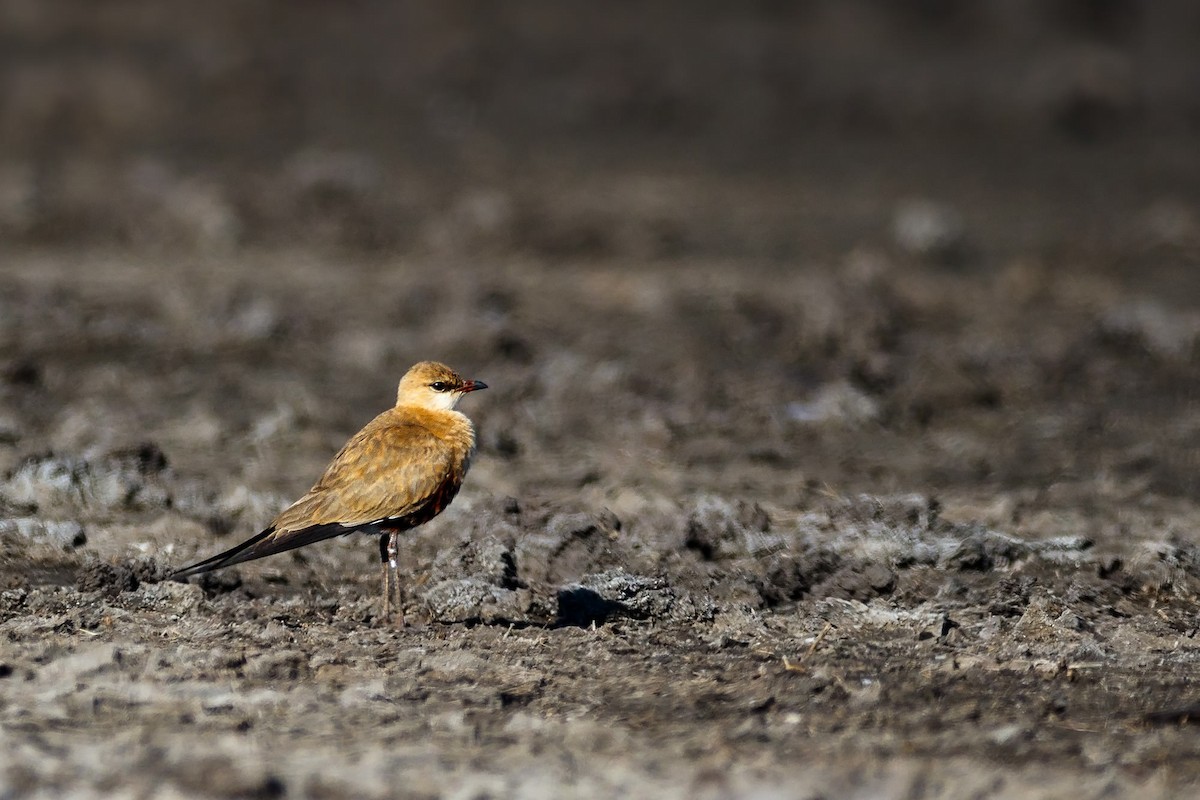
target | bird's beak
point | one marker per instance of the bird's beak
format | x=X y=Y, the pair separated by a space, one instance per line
x=472 y=386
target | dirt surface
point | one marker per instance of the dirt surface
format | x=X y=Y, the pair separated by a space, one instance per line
x=729 y=532
x=851 y=462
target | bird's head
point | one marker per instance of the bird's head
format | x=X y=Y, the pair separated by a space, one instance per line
x=434 y=386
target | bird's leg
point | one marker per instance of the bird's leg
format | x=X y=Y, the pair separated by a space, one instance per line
x=393 y=548
x=387 y=575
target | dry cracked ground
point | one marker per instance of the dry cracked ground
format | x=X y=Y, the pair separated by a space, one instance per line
x=871 y=528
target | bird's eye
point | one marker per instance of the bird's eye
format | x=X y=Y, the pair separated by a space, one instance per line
x=439 y=386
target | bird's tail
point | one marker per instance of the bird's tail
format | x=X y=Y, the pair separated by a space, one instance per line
x=267 y=543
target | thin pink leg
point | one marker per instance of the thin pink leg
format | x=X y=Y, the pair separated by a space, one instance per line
x=393 y=548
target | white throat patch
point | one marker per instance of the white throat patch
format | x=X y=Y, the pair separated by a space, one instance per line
x=444 y=400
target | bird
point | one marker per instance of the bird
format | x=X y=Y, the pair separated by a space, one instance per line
x=400 y=471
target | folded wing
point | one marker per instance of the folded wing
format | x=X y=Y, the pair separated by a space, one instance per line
x=392 y=475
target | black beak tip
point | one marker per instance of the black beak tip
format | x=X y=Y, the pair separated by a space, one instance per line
x=477 y=385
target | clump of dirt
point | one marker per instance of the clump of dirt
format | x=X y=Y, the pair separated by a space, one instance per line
x=129 y=478
x=114 y=578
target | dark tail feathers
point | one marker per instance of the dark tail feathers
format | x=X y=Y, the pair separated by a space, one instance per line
x=264 y=544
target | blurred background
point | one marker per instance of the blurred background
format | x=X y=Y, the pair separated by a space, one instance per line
x=884 y=245
x=770 y=130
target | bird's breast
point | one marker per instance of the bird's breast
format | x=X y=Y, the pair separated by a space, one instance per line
x=452 y=428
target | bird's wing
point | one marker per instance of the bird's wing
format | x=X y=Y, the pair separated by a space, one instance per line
x=385 y=471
